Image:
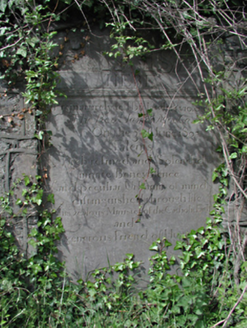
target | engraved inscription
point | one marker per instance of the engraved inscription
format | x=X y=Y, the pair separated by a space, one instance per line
x=99 y=163
x=119 y=235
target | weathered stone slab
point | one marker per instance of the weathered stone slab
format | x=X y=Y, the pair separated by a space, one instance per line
x=98 y=160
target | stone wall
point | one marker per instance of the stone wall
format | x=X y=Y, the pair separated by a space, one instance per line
x=18 y=154
x=98 y=160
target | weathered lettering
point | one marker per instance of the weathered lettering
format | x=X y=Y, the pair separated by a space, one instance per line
x=99 y=159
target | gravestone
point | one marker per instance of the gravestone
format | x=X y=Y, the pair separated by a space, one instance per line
x=98 y=159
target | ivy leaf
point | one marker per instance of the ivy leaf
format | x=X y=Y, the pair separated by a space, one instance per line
x=150 y=112
x=18 y=202
x=186 y=257
x=167 y=243
x=38 y=198
x=142 y=186
x=150 y=136
x=152 y=170
x=8 y=210
x=3 y=5
x=39 y=135
x=179 y=245
x=36 y=269
x=24 y=192
x=153 y=247
x=199 y=252
x=3 y=30
x=34 y=232
x=26 y=180
x=214 y=176
x=22 y=51
x=233 y=155
x=219 y=149
x=38 y=112
x=11 y=2
x=186 y=282
x=215 y=197
x=144 y=133
x=244 y=149
x=50 y=198
x=200 y=230
x=32 y=243
x=224 y=182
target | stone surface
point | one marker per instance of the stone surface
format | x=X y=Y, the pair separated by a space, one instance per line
x=98 y=160
x=18 y=153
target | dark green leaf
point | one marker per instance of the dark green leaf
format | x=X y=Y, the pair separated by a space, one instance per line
x=150 y=136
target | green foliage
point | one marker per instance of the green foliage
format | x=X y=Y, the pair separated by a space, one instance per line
x=41 y=81
x=27 y=284
x=36 y=291
x=127 y=46
x=209 y=283
x=201 y=293
x=26 y=51
x=146 y=134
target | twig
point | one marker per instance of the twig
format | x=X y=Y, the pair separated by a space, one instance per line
x=143 y=141
x=13 y=44
x=232 y=310
x=83 y=15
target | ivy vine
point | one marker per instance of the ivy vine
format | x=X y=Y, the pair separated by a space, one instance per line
x=210 y=289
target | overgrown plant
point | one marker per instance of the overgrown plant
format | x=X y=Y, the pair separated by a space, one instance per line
x=28 y=281
x=210 y=289
x=202 y=292
x=211 y=30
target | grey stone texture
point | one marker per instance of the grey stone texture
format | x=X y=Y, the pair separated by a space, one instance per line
x=98 y=160
x=18 y=154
